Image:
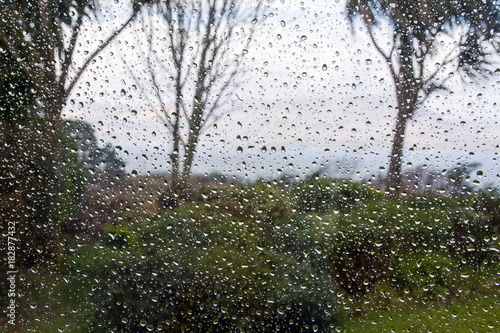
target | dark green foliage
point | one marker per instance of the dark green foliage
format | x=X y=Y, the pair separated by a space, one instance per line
x=96 y=162
x=236 y=261
x=204 y=270
x=487 y=203
x=22 y=190
x=264 y=202
x=168 y=198
x=261 y=202
x=17 y=99
x=325 y=195
x=118 y=237
x=426 y=275
x=383 y=241
x=295 y=236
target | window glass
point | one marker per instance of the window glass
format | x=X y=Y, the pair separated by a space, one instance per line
x=256 y=166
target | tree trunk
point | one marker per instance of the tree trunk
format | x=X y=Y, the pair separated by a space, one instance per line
x=194 y=130
x=176 y=187
x=174 y=157
x=48 y=205
x=190 y=152
x=407 y=88
x=393 y=184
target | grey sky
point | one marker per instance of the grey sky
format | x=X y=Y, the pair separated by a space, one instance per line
x=311 y=87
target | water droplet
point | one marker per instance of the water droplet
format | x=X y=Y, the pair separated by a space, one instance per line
x=324 y=67
x=283 y=23
x=278 y=36
x=303 y=38
x=368 y=61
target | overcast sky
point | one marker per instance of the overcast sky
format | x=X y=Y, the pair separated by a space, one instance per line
x=312 y=87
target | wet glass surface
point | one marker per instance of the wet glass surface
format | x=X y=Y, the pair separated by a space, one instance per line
x=254 y=166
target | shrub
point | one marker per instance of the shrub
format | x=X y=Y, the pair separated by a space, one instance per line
x=205 y=270
x=118 y=237
x=363 y=247
x=260 y=202
x=192 y=191
x=325 y=195
x=426 y=275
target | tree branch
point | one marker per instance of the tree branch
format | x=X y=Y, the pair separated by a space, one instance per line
x=47 y=38
x=387 y=58
x=96 y=52
x=448 y=59
x=71 y=49
x=156 y=87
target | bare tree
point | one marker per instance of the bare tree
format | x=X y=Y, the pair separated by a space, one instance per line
x=193 y=56
x=426 y=41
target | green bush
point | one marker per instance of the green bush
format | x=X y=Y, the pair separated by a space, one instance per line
x=204 y=270
x=118 y=237
x=260 y=202
x=247 y=259
x=325 y=195
x=192 y=191
x=426 y=275
x=363 y=247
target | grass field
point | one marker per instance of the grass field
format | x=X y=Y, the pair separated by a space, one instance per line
x=481 y=314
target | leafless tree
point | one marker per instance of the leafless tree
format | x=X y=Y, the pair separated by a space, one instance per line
x=191 y=62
